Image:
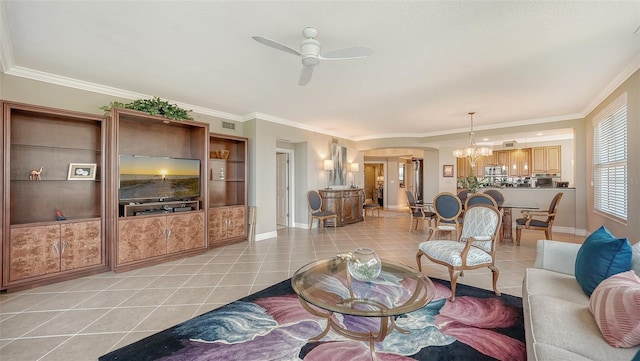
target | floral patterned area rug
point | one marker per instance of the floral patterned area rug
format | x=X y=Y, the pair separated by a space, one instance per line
x=272 y=325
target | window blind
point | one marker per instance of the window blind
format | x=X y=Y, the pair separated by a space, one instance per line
x=610 y=159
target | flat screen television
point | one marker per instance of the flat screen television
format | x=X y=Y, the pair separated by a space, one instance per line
x=158 y=178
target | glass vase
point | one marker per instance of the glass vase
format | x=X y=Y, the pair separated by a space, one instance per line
x=364 y=264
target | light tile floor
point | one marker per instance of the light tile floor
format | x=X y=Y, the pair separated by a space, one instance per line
x=87 y=317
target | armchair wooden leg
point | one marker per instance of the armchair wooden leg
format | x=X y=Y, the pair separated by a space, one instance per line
x=454 y=280
x=418 y=260
x=518 y=233
x=547 y=233
x=496 y=273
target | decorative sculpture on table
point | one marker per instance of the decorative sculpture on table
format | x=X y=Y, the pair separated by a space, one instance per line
x=35 y=174
x=60 y=216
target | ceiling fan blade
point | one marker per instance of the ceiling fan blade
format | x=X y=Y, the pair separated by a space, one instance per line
x=305 y=76
x=274 y=44
x=347 y=53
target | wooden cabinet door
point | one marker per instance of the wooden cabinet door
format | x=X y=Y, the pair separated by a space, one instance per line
x=463 y=167
x=525 y=165
x=501 y=158
x=237 y=222
x=350 y=207
x=185 y=232
x=481 y=162
x=34 y=251
x=217 y=219
x=81 y=244
x=554 y=159
x=539 y=160
x=140 y=238
x=520 y=163
x=332 y=202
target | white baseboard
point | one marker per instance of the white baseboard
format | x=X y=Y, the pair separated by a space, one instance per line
x=267 y=235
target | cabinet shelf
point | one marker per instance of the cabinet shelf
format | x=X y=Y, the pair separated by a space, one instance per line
x=55 y=180
x=37 y=249
x=228 y=196
x=49 y=221
x=17 y=147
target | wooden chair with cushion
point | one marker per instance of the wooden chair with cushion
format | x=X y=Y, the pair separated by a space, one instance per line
x=315 y=210
x=496 y=195
x=529 y=222
x=474 y=249
x=448 y=209
x=480 y=198
x=418 y=212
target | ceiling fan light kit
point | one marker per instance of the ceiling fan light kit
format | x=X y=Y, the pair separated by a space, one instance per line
x=310 y=52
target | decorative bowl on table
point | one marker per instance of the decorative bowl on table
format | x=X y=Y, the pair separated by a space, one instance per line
x=222 y=153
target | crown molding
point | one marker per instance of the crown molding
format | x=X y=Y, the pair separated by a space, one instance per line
x=621 y=78
x=290 y=123
x=107 y=90
x=6 y=49
x=515 y=123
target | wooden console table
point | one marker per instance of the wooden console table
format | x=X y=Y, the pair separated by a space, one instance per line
x=347 y=203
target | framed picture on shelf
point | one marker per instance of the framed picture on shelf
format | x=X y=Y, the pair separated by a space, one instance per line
x=447 y=170
x=82 y=171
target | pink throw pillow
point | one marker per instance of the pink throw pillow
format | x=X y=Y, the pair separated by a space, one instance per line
x=615 y=305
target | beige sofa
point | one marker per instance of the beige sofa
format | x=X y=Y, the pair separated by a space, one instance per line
x=558 y=323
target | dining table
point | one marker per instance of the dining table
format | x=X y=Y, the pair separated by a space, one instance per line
x=506 y=236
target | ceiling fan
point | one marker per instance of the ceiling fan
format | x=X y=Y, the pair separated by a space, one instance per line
x=310 y=52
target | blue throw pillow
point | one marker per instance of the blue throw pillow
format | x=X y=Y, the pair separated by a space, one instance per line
x=601 y=256
x=636 y=357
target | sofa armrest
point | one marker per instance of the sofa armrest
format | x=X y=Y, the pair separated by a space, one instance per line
x=556 y=256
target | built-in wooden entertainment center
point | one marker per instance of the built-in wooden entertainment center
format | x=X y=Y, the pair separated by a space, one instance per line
x=63 y=213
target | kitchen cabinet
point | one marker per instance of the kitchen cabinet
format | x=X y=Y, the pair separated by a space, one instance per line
x=347 y=204
x=501 y=158
x=554 y=159
x=519 y=160
x=546 y=159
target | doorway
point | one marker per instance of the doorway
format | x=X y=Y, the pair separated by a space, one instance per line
x=374 y=183
x=283 y=187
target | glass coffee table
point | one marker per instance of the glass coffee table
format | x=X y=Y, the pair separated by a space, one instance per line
x=325 y=287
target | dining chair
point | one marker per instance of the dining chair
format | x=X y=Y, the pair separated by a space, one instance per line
x=529 y=222
x=418 y=212
x=315 y=210
x=476 y=247
x=496 y=195
x=448 y=209
x=480 y=198
x=462 y=195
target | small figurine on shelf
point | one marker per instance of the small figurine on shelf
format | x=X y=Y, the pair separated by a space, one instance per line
x=60 y=216
x=221 y=173
x=35 y=174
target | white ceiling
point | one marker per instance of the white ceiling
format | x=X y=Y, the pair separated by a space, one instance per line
x=512 y=62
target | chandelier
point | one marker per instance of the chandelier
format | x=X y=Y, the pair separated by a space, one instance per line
x=472 y=152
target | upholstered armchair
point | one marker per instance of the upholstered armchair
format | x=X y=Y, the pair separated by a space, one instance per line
x=476 y=247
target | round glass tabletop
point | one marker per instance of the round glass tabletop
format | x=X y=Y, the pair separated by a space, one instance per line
x=397 y=290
